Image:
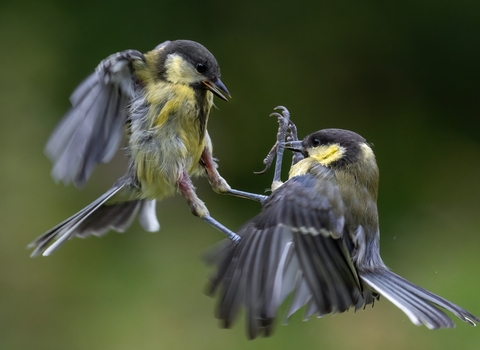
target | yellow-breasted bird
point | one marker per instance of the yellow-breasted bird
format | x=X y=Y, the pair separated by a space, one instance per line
x=318 y=237
x=163 y=100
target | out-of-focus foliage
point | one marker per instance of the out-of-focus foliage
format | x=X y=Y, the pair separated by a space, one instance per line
x=403 y=74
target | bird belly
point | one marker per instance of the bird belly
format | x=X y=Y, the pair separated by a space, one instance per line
x=160 y=167
x=163 y=150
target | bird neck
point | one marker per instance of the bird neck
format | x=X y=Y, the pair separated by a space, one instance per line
x=302 y=167
x=358 y=185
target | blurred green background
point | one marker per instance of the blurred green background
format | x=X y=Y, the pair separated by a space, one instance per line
x=405 y=75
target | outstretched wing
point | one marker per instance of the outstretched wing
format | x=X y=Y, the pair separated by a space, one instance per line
x=294 y=245
x=92 y=129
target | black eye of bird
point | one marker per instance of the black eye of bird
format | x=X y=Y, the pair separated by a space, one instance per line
x=201 y=68
x=315 y=142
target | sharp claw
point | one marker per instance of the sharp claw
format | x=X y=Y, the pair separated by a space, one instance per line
x=284 y=109
x=261 y=172
x=268 y=160
x=285 y=113
x=278 y=115
x=280 y=118
x=286 y=130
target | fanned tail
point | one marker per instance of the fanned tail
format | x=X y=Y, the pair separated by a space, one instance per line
x=97 y=219
x=420 y=305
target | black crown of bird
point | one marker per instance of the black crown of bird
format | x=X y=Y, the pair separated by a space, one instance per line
x=317 y=237
x=162 y=99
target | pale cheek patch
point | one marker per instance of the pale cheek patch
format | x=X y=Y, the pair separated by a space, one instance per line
x=326 y=155
x=180 y=71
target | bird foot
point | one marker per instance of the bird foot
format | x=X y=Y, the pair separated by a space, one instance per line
x=287 y=131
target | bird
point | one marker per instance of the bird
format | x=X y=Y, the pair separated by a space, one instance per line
x=317 y=238
x=161 y=101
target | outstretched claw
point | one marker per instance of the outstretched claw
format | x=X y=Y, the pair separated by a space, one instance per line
x=286 y=131
x=268 y=160
x=278 y=148
x=292 y=136
x=283 y=121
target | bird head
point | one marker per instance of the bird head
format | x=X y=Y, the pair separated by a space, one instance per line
x=190 y=63
x=333 y=148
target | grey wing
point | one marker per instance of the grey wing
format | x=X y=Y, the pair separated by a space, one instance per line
x=92 y=129
x=295 y=245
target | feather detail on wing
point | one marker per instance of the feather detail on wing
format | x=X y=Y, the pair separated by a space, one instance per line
x=92 y=129
x=295 y=245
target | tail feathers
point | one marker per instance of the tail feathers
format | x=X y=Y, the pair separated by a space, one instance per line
x=96 y=219
x=420 y=305
x=119 y=217
x=148 y=216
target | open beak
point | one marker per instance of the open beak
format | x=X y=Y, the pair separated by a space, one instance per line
x=217 y=88
x=295 y=146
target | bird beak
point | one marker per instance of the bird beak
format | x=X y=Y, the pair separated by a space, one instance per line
x=217 y=88
x=295 y=146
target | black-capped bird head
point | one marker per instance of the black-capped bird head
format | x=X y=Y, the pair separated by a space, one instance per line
x=334 y=148
x=190 y=63
x=350 y=157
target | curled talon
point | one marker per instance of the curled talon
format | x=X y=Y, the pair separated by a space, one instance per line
x=280 y=118
x=275 y=114
x=261 y=172
x=285 y=113
x=268 y=160
x=284 y=131
x=283 y=109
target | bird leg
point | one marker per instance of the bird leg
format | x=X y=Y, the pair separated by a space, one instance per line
x=283 y=120
x=198 y=208
x=219 y=184
x=286 y=131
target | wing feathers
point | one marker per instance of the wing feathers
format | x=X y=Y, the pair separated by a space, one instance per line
x=91 y=131
x=289 y=247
